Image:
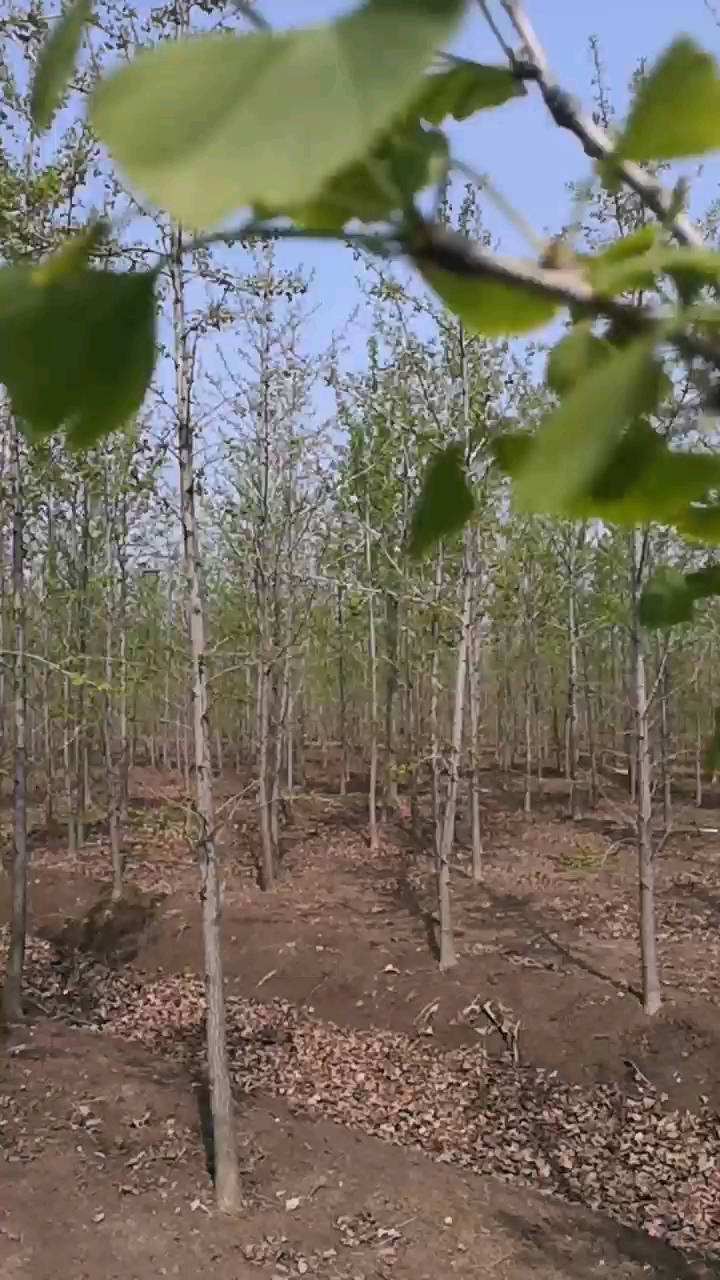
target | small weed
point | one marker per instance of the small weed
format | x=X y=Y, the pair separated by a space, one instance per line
x=584 y=859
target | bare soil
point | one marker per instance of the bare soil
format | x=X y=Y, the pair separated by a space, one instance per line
x=372 y=1089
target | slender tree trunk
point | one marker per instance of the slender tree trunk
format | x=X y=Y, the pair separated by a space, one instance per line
x=539 y=726
x=227 y=1180
x=414 y=751
x=390 y=800
x=166 y=718
x=342 y=697
x=267 y=866
x=68 y=740
x=527 y=801
x=124 y=771
x=591 y=728
x=665 y=765
x=80 y=763
x=698 y=742
x=434 y=726
x=572 y=746
x=646 y=852
x=474 y=681
x=448 y=956
x=48 y=752
x=280 y=731
x=109 y=725
x=186 y=758
x=12 y=992
x=372 y=791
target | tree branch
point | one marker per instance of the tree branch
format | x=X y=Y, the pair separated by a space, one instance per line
x=568 y=114
x=448 y=250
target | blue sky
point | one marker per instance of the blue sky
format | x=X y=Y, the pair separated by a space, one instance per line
x=529 y=159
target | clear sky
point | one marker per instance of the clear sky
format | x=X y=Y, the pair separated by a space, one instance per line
x=529 y=159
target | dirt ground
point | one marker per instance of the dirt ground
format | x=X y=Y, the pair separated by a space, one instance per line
x=104 y=1170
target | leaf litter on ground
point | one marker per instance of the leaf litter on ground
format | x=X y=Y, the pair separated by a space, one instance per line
x=628 y=1157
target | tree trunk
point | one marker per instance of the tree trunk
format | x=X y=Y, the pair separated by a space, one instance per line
x=434 y=726
x=68 y=738
x=665 y=765
x=390 y=799
x=448 y=956
x=372 y=790
x=475 y=823
x=12 y=993
x=109 y=726
x=572 y=746
x=527 y=799
x=592 y=718
x=81 y=797
x=280 y=729
x=342 y=697
x=646 y=852
x=124 y=769
x=225 y=1160
x=267 y=864
x=698 y=743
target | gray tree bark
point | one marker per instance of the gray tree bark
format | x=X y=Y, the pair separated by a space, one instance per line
x=227 y=1179
x=12 y=991
x=651 y=991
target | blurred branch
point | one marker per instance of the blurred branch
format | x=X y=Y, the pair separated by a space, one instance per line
x=568 y=113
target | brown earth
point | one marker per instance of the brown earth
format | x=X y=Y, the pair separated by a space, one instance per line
x=102 y=1141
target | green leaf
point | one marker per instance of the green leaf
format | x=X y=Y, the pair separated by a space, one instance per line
x=214 y=123
x=57 y=63
x=492 y=308
x=676 y=111
x=641 y=481
x=690 y=269
x=625 y=275
x=631 y=246
x=73 y=255
x=700 y=522
x=626 y=263
x=645 y=481
x=467 y=87
x=669 y=598
x=574 y=356
x=510 y=450
x=445 y=503
x=666 y=600
x=372 y=189
x=577 y=439
x=704 y=582
x=77 y=350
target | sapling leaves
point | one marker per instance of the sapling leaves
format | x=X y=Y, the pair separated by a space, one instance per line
x=577 y=439
x=669 y=597
x=676 y=111
x=445 y=503
x=493 y=308
x=77 y=350
x=574 y=356
x=215 y=123
x=381 y=184
x=463 y=89
x=57 y=63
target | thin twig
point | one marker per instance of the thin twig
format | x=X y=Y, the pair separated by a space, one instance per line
x=568 y=114
x=254 y=17
x=638 y=1075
